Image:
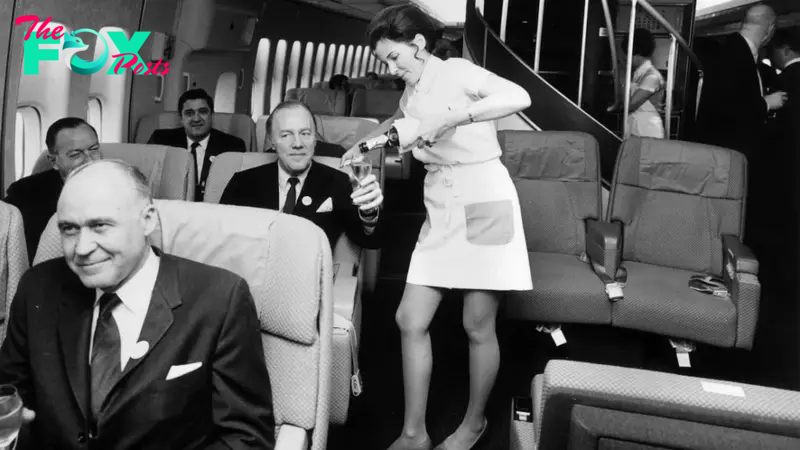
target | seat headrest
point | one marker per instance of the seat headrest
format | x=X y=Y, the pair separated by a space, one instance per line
x=320 y=101
x=281 y=256
x=375 y=103
x=682 y=167
x=550 y=155
x=169 y=170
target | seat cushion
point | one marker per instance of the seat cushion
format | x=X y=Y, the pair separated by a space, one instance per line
x=659 y=300
x=565 y=289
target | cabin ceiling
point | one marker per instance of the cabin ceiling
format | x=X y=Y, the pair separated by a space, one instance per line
x=449 y=12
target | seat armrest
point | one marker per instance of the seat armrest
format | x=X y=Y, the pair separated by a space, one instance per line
x=291 y=437
x=737 y=256
x=346 y=290
x=746 y=295
x=604 y=246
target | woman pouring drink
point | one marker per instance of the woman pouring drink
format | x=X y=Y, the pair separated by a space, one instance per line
x=472 y=239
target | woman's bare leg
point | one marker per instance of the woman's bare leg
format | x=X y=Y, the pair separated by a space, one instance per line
x=414 y=317
x=480 y=312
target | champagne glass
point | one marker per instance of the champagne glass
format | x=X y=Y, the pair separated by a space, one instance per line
x=10 y=416
x=361 y=169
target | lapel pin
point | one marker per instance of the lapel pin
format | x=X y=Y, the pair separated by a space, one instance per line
x=306 y=200
x=140 y=349
x=211 y=158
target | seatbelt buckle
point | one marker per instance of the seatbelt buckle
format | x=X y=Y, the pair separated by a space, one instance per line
x=614 y=291
x=355 y=383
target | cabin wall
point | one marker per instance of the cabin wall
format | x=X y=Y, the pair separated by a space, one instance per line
x=7 y=110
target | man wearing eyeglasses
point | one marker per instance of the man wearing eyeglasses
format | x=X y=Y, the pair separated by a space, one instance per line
x=71 y=142
x=196 y=109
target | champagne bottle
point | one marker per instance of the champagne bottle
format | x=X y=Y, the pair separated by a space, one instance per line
x=389 y=139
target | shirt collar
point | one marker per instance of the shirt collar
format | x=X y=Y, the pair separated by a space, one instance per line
x=791 y=61
x=203 y=142
x=646 y=66
x=136 y=292
x=428 y=73
x=283 y=176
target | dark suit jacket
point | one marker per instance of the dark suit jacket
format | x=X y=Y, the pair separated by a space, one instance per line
x=258 y=187
x=219 y=142
x=197 y=313
x=732 y=111
x=36 y=197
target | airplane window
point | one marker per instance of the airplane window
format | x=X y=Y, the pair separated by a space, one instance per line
x=94 y=115
x=340 y=59
x=27 y=140
x=364 y=62
x=111 y=91
x=330 y=64
x=319 y=64
x=357 y=63
x=259 y=93
x=50 y=88
x=277 y=74
x=225 y=93
x=308 y=60
x=294 y=65
x=348 y=66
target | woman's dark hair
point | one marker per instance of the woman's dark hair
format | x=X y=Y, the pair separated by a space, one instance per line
x=643 y=43
x=402 y=23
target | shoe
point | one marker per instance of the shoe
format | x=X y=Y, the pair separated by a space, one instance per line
x=402 y=443
x=445 y=446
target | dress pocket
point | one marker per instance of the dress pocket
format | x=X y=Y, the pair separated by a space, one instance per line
x=490 y=223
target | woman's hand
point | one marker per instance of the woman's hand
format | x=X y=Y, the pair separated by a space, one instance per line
x=354 y=154
x=434 y=127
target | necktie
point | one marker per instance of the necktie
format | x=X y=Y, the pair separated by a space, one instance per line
x=106 y=361
x=193 y=151
x=291 y=197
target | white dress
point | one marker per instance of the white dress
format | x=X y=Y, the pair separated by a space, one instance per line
x=646 y=120
x=473 y=236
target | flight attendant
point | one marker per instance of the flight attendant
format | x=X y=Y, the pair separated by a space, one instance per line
x=647 y=88
x=473 y=239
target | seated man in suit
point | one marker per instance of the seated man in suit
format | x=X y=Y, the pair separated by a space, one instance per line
x=71 y=142
x=297 y=185
x=196 y=109
x=121 y=346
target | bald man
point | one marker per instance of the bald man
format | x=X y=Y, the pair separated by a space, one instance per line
x=733 y=106
x=120 y=346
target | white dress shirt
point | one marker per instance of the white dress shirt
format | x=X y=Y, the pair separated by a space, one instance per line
x=284 y=186
x=201 y=152
x=130 y=313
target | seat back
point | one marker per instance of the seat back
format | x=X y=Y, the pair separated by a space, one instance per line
x=235 y=124
x=320 y=101
x=657 y=409
x=342 y=130
x=676 y=199
x=557 y=175
x=169 y=170
x=286 y=261
x=380 y=104
x=13 y=259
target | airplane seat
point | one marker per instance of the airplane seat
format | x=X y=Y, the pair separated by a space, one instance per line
x=584 y=406
x=380 y=104
x=286 y=262
x=357 y=272
x=557 y=176
x=236 y=124
x=680 y=206
x=169 y=170
x=13 y=259
x=320 y=101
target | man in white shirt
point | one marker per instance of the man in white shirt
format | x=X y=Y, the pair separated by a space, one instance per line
x=120 y=346
x=196 y=109
x=297 y=185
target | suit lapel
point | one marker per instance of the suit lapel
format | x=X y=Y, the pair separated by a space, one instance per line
x=74 y=328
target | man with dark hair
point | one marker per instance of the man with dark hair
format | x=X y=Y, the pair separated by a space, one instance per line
x=196 y=109
x=71 y=142
x=339 y=82
x=119 y=345
x=297 y=185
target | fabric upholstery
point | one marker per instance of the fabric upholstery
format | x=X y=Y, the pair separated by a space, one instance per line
x=557 y=178
x=13 y=258
x=568 y=383
x=287 y=263
x=676 y=200
x=379 y=104
x=236 y=124
x=169 y=170
x=320 y=101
